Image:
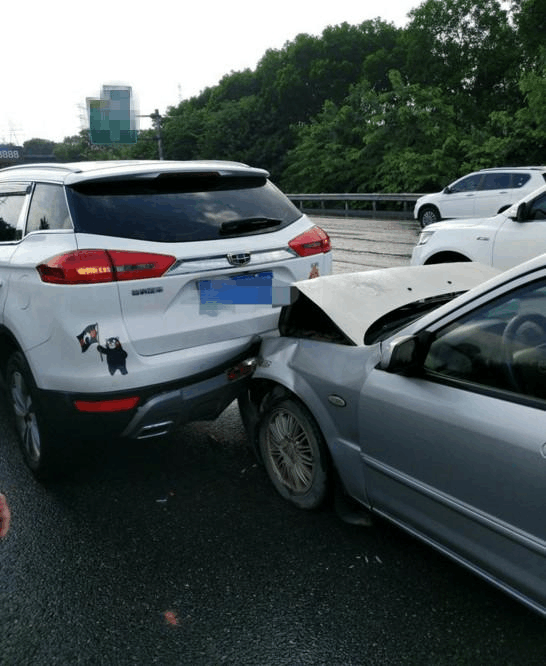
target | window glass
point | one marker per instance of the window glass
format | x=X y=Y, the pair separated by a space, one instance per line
x=48 y=209
x=537 y=209
x=519 y=179
x=180 y=207
x=495 y=181
x=467 y=184
x=501 y=345
x=12 y=198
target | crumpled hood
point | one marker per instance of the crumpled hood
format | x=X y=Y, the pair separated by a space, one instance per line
x=355 y=300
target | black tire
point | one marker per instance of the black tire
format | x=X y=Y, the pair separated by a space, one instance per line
x=294 y=452
x=36 y=439
x=428 y=215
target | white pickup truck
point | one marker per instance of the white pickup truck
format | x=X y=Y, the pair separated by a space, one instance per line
x=502 y=241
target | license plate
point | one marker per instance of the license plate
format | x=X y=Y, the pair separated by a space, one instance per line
x=247 y=289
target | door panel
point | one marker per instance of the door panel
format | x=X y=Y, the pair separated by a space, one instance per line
x=458 y=453
x=465 y=469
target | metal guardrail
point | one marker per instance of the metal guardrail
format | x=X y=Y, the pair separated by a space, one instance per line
x=374 y=198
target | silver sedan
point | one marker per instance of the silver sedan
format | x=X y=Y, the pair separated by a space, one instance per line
x=420 y=394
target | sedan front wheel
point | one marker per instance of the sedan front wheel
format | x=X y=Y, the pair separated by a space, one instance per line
x=294 y=452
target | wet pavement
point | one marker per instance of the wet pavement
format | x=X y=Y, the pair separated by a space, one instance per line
x=180 y=552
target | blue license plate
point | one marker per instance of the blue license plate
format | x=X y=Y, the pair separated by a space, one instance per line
x=248 y=289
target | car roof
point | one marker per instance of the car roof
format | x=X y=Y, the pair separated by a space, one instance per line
x=513 y=168
x=75 y=172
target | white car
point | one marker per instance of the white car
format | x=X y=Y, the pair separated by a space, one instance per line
x=479 y=194
x=133 y=294
x=502 y=241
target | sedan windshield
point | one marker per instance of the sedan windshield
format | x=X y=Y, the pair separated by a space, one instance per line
x=393 y=321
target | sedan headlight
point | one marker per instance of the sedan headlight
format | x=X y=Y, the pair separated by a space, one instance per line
x=425 y=237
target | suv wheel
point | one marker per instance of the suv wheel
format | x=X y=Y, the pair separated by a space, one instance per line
x=36 y=442
x=428 y=215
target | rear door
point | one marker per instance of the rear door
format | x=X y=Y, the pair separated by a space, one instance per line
x=495 y=191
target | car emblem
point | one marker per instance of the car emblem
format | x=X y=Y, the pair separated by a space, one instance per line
x=241 y=259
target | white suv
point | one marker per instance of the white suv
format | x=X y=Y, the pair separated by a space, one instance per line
x=502 y=241
x=133 y=294
x=480 y=194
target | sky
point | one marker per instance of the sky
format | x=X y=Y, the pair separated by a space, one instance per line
x=58 y=53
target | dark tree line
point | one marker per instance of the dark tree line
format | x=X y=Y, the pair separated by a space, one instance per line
x=373 y=107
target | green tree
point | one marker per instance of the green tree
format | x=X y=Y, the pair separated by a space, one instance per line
x=468 y=48
x=38 y=148
x=401 y=140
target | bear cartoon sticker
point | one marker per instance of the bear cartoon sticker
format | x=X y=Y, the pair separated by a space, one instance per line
x=115 y=355
x=114 y=352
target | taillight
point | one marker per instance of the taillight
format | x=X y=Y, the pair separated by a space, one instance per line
x=92 y=266
x=116 y=405
x=314 y=241
x=243 y=369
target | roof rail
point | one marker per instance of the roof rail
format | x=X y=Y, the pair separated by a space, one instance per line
x=44 y=165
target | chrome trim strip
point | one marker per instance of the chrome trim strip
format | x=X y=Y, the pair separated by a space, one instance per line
x=516 y=594
x=221 y=262
x=508 y=531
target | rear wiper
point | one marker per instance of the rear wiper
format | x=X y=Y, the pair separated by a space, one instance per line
x=248 y=224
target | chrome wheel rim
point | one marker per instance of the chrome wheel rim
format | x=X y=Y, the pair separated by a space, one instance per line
x=25 y=417
x=290 y=451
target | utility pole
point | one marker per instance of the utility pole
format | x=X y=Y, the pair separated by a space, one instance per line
x=156 y=119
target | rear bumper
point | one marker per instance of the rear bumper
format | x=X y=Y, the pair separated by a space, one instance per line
x=161 y=408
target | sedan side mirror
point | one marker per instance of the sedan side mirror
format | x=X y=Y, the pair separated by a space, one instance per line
x=406 y=355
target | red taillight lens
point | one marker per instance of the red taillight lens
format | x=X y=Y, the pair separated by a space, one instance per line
x=92 y=266
x=117 y=405
x=243 y=369
x=139 y=265
x=314 y=241
x=79 y=267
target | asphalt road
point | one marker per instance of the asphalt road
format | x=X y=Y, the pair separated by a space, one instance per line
x=370 y=244
x=179 y=552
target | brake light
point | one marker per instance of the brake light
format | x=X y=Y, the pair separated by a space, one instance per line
x=93 y=266
x=314 y=241
x=117 y=405
x=243 y=369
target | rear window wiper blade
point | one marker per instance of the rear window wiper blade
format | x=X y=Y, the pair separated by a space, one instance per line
x=248 y=224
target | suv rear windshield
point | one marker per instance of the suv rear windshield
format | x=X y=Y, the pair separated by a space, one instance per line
x=180 y=207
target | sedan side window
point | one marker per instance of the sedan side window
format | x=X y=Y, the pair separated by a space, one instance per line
x=48 y=209
x=501 y=345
